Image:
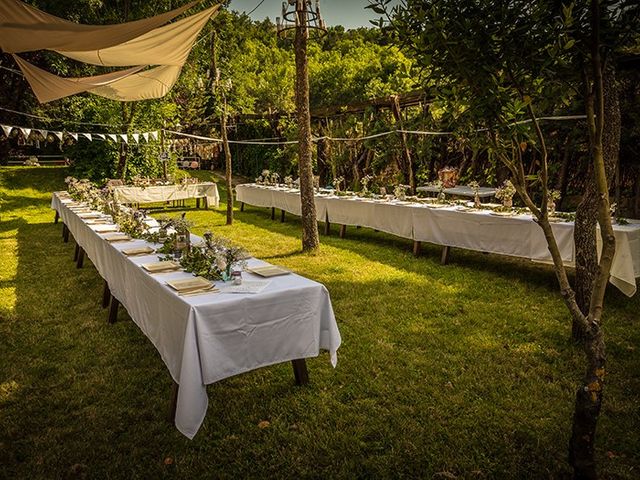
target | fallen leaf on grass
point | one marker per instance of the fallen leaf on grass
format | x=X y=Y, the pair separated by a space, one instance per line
x=264 y=424
x=168 y=461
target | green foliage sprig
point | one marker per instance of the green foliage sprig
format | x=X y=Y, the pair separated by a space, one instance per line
x=214 y=259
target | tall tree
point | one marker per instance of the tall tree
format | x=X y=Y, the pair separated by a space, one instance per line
x=496 y=63
x=310 y=238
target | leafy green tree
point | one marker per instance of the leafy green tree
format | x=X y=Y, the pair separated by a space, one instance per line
x=498 y=63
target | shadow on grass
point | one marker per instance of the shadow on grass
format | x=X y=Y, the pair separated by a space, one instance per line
x=42 y=179
x=85 y=390
x=509 y=268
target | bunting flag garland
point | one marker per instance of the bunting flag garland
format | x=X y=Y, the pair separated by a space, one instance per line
x=46 y=135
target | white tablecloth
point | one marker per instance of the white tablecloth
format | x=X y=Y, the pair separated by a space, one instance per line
x=166 y=193
x=518 y=235
x=205 y=338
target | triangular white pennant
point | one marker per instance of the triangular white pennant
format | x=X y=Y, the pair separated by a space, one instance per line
x=73 y=135
x=6 y=129
x=124 y=138
x=112 y=136
x=58 y=134
x=44 y=133
x=86 y=135
x=100 y=136
x=136 y=137
x=25 y=131
x=154 y=135
x=146 y=136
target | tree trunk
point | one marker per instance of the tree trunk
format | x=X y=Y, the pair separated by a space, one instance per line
x=127 y=119
x=587 y=409
x=587 y=212
x=310 y=238
x=407 y=164
x=603 y=121
x=563 y=175
x=227 y=162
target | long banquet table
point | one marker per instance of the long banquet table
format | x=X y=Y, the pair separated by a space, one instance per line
x=206 y=338
x=166 y=193
x=453 y=226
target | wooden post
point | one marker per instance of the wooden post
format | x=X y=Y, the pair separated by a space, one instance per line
x=106 y=295
x=343 y=231
x=282 y=214
x=310 y=238
x=416 y=248
x=300 y=371
x=57 y=217
x=173 y=404
x=444 y=259
x=408 y=164
x=80 y=261
x=113 y=311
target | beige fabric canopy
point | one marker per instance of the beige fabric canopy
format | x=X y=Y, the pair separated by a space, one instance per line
x=24 y=28
x=124 y=85
x=48 y=87
x=168 y=45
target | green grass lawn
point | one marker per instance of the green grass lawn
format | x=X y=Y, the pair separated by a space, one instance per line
x=458 y=371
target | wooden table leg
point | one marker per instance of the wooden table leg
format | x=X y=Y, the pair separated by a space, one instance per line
x=80 y=261
x=282 y=214
x=416 y=248
x=197 y=203
x=173 y=405
x=343 y=231
x=106 y=295
x=65 y=233
x=273 y=213
x=57 y=217
x=300 y=371
x=444 y=259
x=242 y=206
x=76 y=253
x=113 y=311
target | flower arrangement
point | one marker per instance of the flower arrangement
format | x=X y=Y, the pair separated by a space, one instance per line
x=337 y=183
x=275 y=178
x=506 y=193
x=132 y=222
x=214 y=259
x=365 y=181
x=475 y=188
x=173 y=234
x=400 y=192
x=552 y=197
x=32 y=162
x=439 y=185
x=264 y=178
x=288 y=181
